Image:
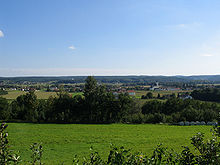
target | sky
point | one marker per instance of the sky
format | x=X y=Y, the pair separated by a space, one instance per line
x=109 y=37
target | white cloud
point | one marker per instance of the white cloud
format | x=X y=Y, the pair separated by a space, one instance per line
x=181 y=25
x=1 y=34
x=185 y=25
x=72 y=47
x=207 y=55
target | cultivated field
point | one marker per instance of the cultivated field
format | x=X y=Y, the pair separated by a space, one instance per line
x=45 y=95
x=62 y=141
x=40 y=94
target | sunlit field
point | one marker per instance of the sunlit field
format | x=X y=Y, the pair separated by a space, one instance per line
x=40 y=94
x=155 y=93
x=62 y=141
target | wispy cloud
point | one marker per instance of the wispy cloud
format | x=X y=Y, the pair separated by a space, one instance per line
x=1 y=34
x=72 y=47
x=181 y=25
x=207 y=55
x=184 y=25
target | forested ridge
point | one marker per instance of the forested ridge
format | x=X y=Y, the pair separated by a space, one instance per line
x=117 y=79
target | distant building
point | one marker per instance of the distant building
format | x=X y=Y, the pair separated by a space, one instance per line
x=53 y=89
x=188 y=97
x=155 y=86
x=184 y=97
x=131 y=92
x=173 y=89
x=115 y=93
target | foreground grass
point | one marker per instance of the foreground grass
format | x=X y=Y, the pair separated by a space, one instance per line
x=62 y=141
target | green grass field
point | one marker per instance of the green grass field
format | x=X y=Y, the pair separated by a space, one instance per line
x=40 y=94
x=62 y=141
x=45 y=95
x=155 y=93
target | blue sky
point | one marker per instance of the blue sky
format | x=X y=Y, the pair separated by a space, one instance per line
x=109 y=37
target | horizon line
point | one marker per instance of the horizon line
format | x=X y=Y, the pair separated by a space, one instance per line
x=180 y=75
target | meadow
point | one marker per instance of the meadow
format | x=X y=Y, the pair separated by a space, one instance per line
x=62 y=141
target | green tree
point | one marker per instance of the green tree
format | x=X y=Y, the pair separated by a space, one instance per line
x=26 y=107
x=149 y=95
x=90 y=92
x=153 y=106
x=31 y=104
x=125 y=104
x=190 y=114
x=61 y=108
x=4 y=110
x=3 y=92
x=158 y=96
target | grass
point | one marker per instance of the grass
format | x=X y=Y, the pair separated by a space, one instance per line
x=13 y=94
x=40 y=94
x=45 y=95
x=62 y=141
x=155 y=93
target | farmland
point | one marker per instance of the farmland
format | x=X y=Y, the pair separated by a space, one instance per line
x=62 y=141
x=13 y=94
x=40 y=94
x=139 y=93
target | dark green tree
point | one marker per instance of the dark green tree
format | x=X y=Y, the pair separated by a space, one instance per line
x=4 y=110
x=25 y=107
x=158 y=96
x=149 y=95
x=90 y=93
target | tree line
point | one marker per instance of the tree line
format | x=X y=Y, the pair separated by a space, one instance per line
x=207 y=94
x=98 y=105
x=175 y=110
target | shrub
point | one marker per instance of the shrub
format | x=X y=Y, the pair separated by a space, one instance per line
x=6 y=155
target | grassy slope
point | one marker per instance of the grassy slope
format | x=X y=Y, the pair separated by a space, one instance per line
x=63 y=141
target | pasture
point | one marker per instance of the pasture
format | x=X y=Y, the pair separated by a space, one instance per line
x=62 y=141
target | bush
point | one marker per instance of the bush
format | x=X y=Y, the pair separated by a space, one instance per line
x=6 y=156
x=2 y=92
x=137 y=118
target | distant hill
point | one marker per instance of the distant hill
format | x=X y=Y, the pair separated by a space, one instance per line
x=118 y=79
